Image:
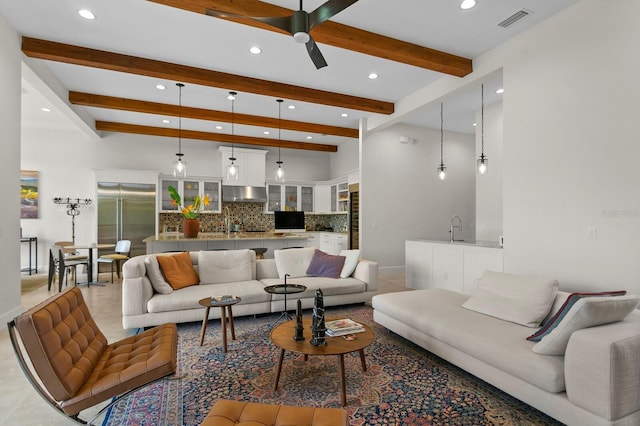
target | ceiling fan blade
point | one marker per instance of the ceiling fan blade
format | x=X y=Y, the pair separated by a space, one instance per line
x=281 y=22
x=315 y=54
x=327 y=10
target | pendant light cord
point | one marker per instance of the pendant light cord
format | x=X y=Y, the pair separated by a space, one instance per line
x=180 y=86
x=441 y=135
x=233 y=102
x=279 y=128
x=482 y=120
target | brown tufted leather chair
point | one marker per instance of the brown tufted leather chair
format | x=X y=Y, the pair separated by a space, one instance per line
x=238 y=413
x=72 y=365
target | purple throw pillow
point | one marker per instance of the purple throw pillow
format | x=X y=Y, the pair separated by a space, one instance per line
x=325 y=265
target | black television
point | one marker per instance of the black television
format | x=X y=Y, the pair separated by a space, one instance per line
x=289 y=221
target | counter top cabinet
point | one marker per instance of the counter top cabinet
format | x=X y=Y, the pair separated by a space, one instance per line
x=451 y=266
x=332 y=197
x=189 y=188
x=333 y=242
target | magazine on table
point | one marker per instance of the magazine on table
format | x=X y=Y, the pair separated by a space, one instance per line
x=343 y=326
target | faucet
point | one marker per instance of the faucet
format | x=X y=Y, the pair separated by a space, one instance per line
x=453 y=227
x=227 y=220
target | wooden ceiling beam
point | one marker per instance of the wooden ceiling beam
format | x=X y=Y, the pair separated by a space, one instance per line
x=77 y=55
x=109 y=126
x=123 y=104
x=338 y=35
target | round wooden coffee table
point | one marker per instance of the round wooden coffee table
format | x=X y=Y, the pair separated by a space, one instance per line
x=225 y=306
x=282 y=337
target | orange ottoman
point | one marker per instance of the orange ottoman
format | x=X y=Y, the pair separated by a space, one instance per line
x=231 y=413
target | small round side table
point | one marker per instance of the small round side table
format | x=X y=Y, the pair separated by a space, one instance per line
x=225 y=306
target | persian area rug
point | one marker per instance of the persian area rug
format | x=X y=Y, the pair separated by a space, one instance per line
x=403 y=384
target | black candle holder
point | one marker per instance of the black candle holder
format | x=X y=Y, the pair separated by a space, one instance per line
x=299 y=335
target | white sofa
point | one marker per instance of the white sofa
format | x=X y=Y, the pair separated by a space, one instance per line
x=596 y=382
x=238 y=273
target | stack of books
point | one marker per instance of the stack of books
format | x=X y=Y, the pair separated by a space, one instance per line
x=343 y=326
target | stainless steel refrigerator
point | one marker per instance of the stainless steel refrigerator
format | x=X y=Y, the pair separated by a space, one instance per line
x=126 y=211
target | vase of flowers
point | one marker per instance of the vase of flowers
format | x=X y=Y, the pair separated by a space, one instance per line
x=190 y=213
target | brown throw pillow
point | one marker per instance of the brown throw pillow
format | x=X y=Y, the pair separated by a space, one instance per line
x=178 y=270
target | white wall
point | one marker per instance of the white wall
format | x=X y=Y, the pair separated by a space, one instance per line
x=346 y=160
x=489 y=186
x=401 y=195
x=10 y=172
x=571 y=147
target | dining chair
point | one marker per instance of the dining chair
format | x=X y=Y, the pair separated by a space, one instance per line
x=70 y=254
x=63 y=266
x=122 y=253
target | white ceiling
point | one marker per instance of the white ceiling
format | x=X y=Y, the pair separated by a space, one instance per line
x=150 y=30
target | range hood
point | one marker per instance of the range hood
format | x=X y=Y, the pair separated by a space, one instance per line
x=244 y=194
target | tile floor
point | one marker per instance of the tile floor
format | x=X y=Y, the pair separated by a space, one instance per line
x=21 y=405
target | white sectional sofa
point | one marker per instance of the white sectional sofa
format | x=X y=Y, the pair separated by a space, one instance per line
x=595 y=380
x=238 y=273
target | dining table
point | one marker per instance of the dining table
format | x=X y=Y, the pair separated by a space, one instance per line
x=91 y=247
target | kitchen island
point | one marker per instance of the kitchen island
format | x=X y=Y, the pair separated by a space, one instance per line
x=450 y=265
x=174 y=241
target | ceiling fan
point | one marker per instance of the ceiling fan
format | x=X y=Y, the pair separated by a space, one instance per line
x=299 y=24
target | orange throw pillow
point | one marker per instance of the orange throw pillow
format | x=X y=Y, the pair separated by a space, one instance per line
x=178 y=270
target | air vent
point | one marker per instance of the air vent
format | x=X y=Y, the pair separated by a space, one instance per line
x=522 y=13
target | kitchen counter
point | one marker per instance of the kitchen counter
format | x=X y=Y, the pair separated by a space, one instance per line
x=223 y=236
x=475 y=243
x=168 y=242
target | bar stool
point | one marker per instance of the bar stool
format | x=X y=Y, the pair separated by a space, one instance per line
x=260 y=251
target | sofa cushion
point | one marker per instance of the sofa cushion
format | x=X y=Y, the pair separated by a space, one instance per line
x=329 y=286
x=352 y=257
x=160 y=285
x=224 y=266
x=516 y=298
x=439 y=314
x=178 y=270
x=550 y=323
x=294 y=262
x=325 y=265
x=249 y=291
x=586 y=312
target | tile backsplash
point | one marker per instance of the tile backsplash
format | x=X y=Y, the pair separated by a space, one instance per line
x=251 y=217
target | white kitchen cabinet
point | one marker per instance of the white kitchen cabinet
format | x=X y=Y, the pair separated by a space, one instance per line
x=333 y=242
x=456 y=267
x=332 y=197
x=322 y=195
x=314 y=239
x=189 y=188
x=251 y=164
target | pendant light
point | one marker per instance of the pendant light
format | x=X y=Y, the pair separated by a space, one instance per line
x=280 y=171
x=442 y=170
x=483 y=161
x=233 y=171
x=179 y=166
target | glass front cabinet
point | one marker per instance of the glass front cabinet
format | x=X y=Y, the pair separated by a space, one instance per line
x=188 y=189
x=289 y=198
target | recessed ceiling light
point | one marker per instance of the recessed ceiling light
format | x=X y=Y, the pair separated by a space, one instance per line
x=219 y=127
x=309 y=137
x=266 y=132
x=160 y=86
x=165 y=121
x=255 y=50
x=344 y=114
x=291 y=107
x=372 y=76
x=86 y=14
x=500 y=91
x=231 y=97
x=467 y=4
x=474 y=124
x=45 y=109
